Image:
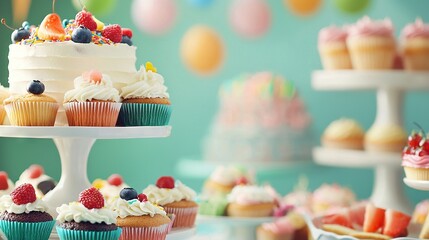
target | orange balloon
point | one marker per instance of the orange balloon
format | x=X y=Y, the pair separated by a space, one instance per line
x=202 y=50
x=303 y=7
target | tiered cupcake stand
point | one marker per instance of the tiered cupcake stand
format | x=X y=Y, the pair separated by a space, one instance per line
x=390 y=86
x=74 y=145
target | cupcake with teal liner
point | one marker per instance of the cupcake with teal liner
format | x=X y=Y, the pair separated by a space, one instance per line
x=145 y=102
x=22 y=214
x=139 y=218
x=93 y=101
x=87 y=219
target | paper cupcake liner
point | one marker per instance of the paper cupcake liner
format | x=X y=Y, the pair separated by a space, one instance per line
x=372 y=53
x=335 y=56
x=144 y=233
x=417 y=173
x=32 y=113
x=67 y=234
x=143 y=114
x=417 y=61
x=96 y=114
x=172 y=218
x=22 y=230
x=185 y=217
x=2 y=114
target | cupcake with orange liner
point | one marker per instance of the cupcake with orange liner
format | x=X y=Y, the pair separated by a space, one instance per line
x=333 y=48
x=371 y=44
x=145 y=102
x=250 y=201
x=138 y=218
x=33 y=108
x=343 y=133
x=4 y=93
x=415 y=45
x=175 y=198
x=385 y=138
x=93 y=101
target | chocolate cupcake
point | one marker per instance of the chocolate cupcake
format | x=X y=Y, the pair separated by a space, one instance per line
x=23 y=215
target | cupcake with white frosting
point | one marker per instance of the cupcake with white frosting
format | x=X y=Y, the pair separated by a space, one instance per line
x=93 y=101
x=176 y=198
x=145 y=102
x=22 y=214
x=250 y=201
x=343 y=133
x=35 y=175
x=87 y=219
x=111 y=187
x=139 y=218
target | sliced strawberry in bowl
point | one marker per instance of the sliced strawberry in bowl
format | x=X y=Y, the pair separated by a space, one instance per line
x=374 y=218
x=340 y=218
x=357 y=214
x=396 y=223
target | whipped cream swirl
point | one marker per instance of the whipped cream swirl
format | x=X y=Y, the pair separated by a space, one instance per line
x=163 y=196
x=134 y=207
x=249 y=194
x=7 y=205
x=75 y=211
x=148 y=85
x=87 y=90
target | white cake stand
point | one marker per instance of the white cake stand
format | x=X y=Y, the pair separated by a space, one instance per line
x=390 y=86
x=74 y=145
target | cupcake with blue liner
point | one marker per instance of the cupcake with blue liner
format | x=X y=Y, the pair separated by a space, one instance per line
x=87 y=219
x=139 y=218
x=22 y=214
x=145 y=102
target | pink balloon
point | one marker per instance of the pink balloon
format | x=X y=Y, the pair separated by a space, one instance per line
x=250 y=18
x=154 y=16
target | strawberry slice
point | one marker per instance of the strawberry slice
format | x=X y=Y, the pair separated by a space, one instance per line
x=396 y=223
x=357 y=214
x=374 y=218
x=341 y=218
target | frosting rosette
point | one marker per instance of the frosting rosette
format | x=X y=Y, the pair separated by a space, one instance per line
x=92 y=86
x=416 y=29
x=148 y=84
x=368 y=27
x=415 y=161
x=7 y=205
x=134 y=207
x=163 y=196
x=75 y=211
x=249 y=194
x=332 y=34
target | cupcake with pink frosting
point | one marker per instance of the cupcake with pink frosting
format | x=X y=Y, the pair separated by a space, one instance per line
x=333 y=48
x=329 y=198
x=415 y=157
x=290 y=227
x=415 y=45
x=372 y=44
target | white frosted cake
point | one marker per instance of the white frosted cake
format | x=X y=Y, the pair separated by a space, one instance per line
x=261 y=118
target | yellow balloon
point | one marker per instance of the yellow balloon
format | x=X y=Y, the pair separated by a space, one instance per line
x=202 y=50
x=303 y=7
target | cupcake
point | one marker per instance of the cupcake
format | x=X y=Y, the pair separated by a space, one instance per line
x=333 y=48
x=93 y=101
x=371 y=44
x=250 y=201
x=87 y=219
x=4 y=93
x=415 y=157
x=139 y=218
x=33 y=108
x=111 y=187
x=146 y=101
x=420 y=212
x=329 y=198
x=175 y=198
x=212 y=206
x=343 y=133
x=385 y=138
x=35 y=176
x=290 y=227
x=415 y=46
x=6 y=185
x=22 y=215
x=223 y=179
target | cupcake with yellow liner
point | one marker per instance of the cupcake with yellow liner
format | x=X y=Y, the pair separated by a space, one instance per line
x=343 y=133
x=4 y=93
x=139 y=218
x=415 y=45
x=385 y=138
x=93 y=101
x=371 y=44
x=145 y=102
x=175 y=198
x=333 y=48
x=33 y=108
x=250 y=201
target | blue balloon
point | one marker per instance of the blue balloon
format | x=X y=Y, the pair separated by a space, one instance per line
x=200 y=3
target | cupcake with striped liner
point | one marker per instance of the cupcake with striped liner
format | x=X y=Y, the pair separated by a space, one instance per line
x=22 y=214
x=415 y=45
x=139 y=218
x=333 y=48
x=145 y=102
x=87 y=219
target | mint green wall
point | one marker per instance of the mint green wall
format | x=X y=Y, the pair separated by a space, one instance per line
x=289 y=48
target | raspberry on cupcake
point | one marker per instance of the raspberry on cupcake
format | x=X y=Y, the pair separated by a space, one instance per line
x=22 y=214
x=6 y=185
x=87 y=219
x=175 y=198
x=139 y=218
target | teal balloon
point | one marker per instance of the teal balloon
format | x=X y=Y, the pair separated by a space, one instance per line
x=351 y=6
x=98 y=8
x=200 y=3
